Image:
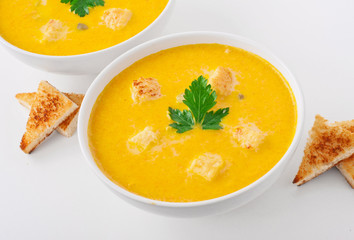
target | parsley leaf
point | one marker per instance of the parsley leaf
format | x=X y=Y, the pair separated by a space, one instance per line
x=200 y=98
x=212 y=119
x=81 y=7
x=183 y=120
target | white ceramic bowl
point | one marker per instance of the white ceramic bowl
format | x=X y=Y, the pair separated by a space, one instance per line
x=200 y=208
x=88 y=63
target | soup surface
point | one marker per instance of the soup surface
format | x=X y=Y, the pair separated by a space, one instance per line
x=261 y=98
x=23 y=23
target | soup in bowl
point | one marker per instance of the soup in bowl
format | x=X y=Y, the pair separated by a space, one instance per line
x=191 y=124
x=59 y=35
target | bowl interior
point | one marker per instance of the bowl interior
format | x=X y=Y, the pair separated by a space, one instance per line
x=166 y=42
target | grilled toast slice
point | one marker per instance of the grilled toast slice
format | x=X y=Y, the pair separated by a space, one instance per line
x=48 y=110
x=68 y=126
x=327 y=146
x=346 y=167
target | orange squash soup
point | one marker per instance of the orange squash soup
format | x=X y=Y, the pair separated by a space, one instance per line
x=49 y=27
x=142 y=140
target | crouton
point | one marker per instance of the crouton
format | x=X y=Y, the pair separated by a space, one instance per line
x=68 y=126
x=223 y=81
x=327 y=145
x=146 y=89
x=346 y=167
x=54 y=30
x=249 y=136
x=48 y=110
x=116 y=18
x=141 y=141
x=207 y=166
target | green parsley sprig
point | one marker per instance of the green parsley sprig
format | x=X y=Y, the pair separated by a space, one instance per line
x=81 y=7
x=199 y=98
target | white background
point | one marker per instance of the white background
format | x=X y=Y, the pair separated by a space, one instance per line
x=52 y=193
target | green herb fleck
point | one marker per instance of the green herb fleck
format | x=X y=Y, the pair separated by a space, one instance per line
x=81 y=7
x=199 y=98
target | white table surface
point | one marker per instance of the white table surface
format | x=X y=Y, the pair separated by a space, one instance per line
x=53 y=194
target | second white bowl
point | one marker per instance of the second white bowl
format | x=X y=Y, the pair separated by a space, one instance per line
x=88 y=63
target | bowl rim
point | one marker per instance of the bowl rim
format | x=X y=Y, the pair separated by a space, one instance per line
x=83 y=55
x=82 y=133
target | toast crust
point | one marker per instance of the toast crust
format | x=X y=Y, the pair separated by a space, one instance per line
x=26 y=99
x=68 y=126
x=326 y=146
x=346 y=167
x=348 y=125
x=49 y=109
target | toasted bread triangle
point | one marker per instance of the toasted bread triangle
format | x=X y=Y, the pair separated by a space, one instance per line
x=48 y=110
x=346 y=167
x=68 y=126
x=326 y=146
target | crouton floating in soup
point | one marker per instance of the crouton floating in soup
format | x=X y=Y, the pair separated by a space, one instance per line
x=142 y=140
x=249 y=136
x=223 y=81
x=116 y=18
x=207 y=166
x=54 y=30
x=145 y=89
